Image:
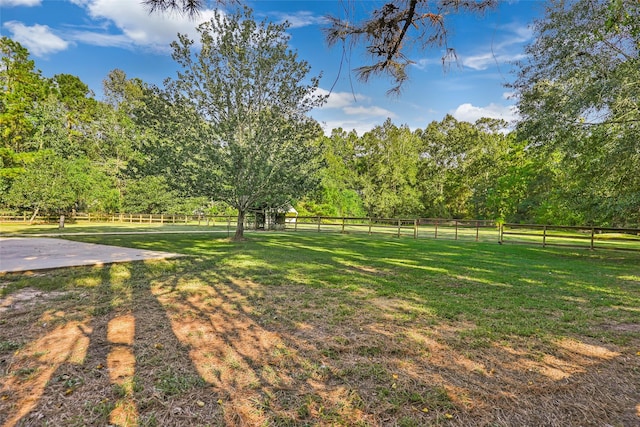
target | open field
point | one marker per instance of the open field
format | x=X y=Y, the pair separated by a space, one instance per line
x=289 y=329
x=585 y=237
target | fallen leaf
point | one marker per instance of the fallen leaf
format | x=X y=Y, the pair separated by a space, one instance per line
x=200 y=403
x=425 y=410
x=448 y=416
x=220 y=401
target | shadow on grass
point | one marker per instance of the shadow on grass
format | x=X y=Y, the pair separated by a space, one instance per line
x=310 y=330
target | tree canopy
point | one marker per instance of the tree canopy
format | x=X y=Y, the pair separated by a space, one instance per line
x=579 y=99
x=254 y=93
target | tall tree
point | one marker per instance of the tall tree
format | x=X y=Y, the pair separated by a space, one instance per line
x=52 y=184
x=581 y=98
x=337 y=194
x=21 y=87
x=255 y=93
x=388 y=165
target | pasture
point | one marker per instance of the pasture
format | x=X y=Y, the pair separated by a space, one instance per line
x=294 y=329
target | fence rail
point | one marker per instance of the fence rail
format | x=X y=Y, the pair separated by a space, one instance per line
x=417 y=228
x=587 y=237
x=121 y=218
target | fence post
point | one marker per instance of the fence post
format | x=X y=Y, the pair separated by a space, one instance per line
x=228 y=226
x=295 y=224
x=477 y=229
x=415 y=228
x=544 y=236
x=318 y=224
x=370 y=226
x=455 y=222
x=342 y=225
x=399 y=224
x=592 y=236
x=436 y=232
x=88 y=217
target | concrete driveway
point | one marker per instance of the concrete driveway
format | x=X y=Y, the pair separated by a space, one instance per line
x=37 y=253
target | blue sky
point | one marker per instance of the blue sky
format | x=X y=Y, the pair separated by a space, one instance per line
x=88 y=38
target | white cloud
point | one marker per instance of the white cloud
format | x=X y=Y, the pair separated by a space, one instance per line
x=101 y=39
x=341 y=99
x=353 y=115
x=470 y=113
x=136 y=25
x=423 y=63
x=15 y=3
x=38 y=39
x=369 y=111
x=351 y=104
x=299 y=19
x=483 y=61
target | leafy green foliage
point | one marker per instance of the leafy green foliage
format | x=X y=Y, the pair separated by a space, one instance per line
x=52 y=184
x=388 y=166
x=248 y=85
x=150 y=194
x=22 y=86
x=579 y=100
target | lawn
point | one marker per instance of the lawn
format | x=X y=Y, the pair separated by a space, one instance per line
x=293 y=329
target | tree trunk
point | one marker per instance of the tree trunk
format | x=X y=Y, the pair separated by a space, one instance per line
x=240 y=226
x=35 y=214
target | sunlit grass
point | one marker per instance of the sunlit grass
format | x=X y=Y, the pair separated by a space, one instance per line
x=328 y=329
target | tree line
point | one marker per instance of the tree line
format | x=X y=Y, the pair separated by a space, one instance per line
x=231 y=132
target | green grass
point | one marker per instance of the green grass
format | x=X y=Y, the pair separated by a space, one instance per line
x=8 y=229
x=503 y=290
x=409 y=331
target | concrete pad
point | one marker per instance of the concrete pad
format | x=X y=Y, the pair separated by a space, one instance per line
x=35 y=253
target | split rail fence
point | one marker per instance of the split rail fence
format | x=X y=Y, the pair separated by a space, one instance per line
x=586 y=237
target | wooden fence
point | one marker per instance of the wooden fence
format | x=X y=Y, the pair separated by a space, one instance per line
x=587 y=237
x=414 y=227
x=123 y=218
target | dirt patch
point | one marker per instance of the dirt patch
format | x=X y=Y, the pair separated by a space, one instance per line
x=25 y=298
x=624 y=327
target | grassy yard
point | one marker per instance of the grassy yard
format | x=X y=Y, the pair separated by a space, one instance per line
x=302 y=329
